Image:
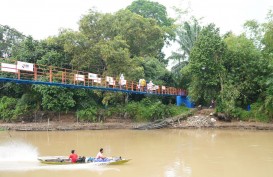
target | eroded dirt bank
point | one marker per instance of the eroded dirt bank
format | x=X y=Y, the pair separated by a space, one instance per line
x=55 y=126
x=201 y=119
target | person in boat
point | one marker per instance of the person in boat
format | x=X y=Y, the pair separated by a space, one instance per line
x=73 y=157
x=100 y=154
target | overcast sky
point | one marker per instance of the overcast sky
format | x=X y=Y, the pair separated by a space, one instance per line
x=43 y=18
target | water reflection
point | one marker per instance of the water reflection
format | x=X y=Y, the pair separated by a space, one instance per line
x=178 y=168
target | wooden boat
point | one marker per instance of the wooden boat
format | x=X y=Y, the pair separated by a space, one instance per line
x=64 y=160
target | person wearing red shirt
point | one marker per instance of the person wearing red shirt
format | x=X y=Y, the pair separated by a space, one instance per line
x=73 y=156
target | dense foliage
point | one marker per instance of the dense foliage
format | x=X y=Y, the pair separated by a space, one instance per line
x=107 y=44
x=234 y=70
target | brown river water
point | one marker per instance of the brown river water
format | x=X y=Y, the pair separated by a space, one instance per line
x=156 y=153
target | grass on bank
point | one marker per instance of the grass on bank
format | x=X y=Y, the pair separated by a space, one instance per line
x=143 y=111
x=256 y=114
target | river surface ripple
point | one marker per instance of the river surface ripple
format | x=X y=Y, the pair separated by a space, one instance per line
x=156 y=153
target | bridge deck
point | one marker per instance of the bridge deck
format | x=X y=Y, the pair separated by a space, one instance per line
x=54 y=76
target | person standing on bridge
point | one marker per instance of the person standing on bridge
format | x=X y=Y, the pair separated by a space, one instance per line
x=142 y=84
x=121 y=81
x=150 y=86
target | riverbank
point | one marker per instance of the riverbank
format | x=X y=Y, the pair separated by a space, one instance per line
x=62 y=126
x=201 y=119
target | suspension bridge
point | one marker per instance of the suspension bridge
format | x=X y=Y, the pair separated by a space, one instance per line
x=30 y=73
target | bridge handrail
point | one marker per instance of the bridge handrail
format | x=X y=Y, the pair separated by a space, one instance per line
x=53 y=74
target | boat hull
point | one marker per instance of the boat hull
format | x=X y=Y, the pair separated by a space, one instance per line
x=63 y=160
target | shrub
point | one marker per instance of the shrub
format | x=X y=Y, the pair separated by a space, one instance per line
x=259 y=114
x=132 y=109
x=254 y=114
x=88 y=114
x=7 y=107
x=26 y=105
x=147 y=110
x=116 y=111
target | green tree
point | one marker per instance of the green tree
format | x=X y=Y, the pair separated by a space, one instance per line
x=267 y=103
x=112 y=43
x=206 y=65
x=154 y=10
x=9 y=38
x=137 y=69
x=29 y=50
x=182 y=75
x=150 y=9
x=268 y=37
x=85 y=98
x=255 y=32
x=143 y=36
x=186 y=34
x=246 y=68
x=156 y=71
x=57 y=99
x=54 y=52
x=7 y=107
x=116 y=56
x=268 y=54
x=81 y=52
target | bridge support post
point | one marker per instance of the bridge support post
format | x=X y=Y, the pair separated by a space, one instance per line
x=184 y=100
x=18 y=74
x=35 y=72
x=50 y=74
x=178 y=101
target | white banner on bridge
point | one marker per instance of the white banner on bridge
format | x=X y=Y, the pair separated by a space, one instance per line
x=98 y=80
x=24 y=66
x=110 y=80
x=79 y=77
x=123 y=82
x=92 y=76
x=8 y=67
